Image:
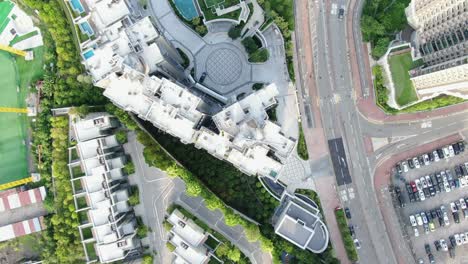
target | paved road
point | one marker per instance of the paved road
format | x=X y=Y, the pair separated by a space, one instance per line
x=158 y=191
x=340 y=118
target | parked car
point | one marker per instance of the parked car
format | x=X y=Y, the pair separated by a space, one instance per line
x=464 y=238
x=426 y=159
x=418 y=184
x=456 y=149
x=465 y=213
x=422 y=196
x=428 y=180
x=461 y=145
x=357 y=244
x=351 y=228
x=419 y=220
x=452 y=240
x=451 y=151
x=453 y=207
x=440 y=152
x=458 y=240
x=421 y=161
x=446 y=219
x=427 y=247
x=431 y=156
x=437 y=245
x=416 y=232
x=416 y=163
x=431 y=226
x=451 y=252
x=446 y=152
x=443 y=245
x=423 y=182
x=436 y=156
x=411 y=164
x=431 y=258
x=398 y=169
x=456 y=217
x=426 y=229
x=404 y=165
x=347 y=213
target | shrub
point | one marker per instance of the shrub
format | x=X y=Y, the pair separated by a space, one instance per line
x=147 y=259
x=257 y=86
x=134 y=198
x=234 y=32
x=170 y=246
x=301 y=145
x=250 y=45
x=121 y=136
x=260 y=55
x=167 y=225
x=129 y=168
x=142 y=231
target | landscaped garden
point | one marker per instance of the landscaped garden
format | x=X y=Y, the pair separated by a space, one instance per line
x=400 y=65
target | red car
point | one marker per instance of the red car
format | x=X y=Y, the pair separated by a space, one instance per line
x=413 y=185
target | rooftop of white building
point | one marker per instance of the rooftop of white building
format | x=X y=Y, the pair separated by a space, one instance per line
x=87 y=129
x=106 y=12
x=186 y=228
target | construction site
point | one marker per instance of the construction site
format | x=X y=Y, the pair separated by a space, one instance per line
x=21 y=66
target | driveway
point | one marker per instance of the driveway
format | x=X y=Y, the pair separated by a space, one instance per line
x=173 y=29
x=158 y=191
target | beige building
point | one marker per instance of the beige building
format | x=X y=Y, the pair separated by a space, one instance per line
x=441 y=40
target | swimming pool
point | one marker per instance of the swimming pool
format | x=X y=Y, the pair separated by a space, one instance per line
x=187 y=8
x=88 y=54
x=77 y=6
x=86 y=28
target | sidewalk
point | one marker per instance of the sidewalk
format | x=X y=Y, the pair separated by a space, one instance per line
x=367 y=107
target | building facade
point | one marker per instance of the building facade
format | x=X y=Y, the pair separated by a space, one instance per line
x=100 y=191
x=441 y=40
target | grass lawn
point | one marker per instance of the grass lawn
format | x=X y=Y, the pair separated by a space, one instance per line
x=13 y=153
x=21 y=38
x=5 y=8
x=399 y=67
x=91 y=251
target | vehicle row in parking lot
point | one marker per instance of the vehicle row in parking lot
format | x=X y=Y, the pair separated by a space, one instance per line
x=434 y=156
x=443 y=181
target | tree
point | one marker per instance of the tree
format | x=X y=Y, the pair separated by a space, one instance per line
x=142 y=231
x=371 y=28
x=234 y=254
x=234 y=32
x=129 y=168
x=121 y=136
x=260 y=55
x=249 y=44
x=134 y=198
x=201 y=29
x=81 y=111
x=147 y=259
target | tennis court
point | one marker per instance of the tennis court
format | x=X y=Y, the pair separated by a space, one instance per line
x=13 y=152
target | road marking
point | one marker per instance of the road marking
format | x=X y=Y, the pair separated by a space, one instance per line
x=427 y=124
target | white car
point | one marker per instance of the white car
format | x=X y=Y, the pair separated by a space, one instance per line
x=451 y=152
x=412 y=220
x=426 y=229
x=422 y=197
x=466 y=238
x=463 y=238
x=426 y=159
x=446 y=152
x=446 y=219
x=416 y=232
x=357 y=244
x=443 y=245
x=462 y=203
x=453 y=207
x=458 y=240
x=428 y=180
x=419 y=220
x=404 y=164
x=423 y=182
x=424 y=218
x=416 y=163
x=436 y=155
x=446 y=185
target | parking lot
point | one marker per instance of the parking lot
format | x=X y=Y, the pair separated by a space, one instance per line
x=428 y=195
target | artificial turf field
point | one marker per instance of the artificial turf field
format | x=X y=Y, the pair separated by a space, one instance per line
x=13 y=153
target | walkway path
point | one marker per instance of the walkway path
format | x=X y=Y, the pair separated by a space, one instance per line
x=255 y=21
x=158 y=191
x=179 y=32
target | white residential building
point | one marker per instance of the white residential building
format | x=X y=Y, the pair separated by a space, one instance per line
x=189 y=239
x=240 y=134
x=107 y=225
x=441 y=40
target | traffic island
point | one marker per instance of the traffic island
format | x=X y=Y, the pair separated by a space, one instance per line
x=346 y=235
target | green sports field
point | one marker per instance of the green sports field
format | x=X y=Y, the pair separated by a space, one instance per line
x=13 y=153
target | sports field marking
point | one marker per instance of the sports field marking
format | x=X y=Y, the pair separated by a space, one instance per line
x=5 y=9
x=213 y=3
